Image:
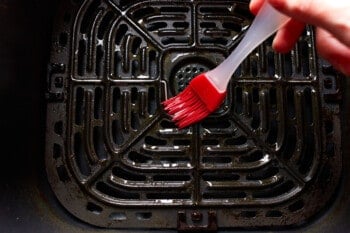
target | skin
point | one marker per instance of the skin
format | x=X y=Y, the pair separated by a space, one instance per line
x=331 y=19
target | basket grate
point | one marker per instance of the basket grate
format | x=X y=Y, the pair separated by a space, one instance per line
x=270 y=156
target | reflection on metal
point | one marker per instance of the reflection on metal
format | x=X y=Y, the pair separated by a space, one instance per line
x=270 y=156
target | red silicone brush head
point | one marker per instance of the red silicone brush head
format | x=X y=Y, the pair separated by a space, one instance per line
x=195 y=103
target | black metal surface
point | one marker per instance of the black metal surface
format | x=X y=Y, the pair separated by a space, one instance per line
x=27 y=203
x=271 y=156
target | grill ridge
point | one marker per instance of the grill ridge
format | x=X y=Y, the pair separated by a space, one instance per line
x=113 y=157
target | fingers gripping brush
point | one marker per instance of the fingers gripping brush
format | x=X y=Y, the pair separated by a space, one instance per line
x=206 y=92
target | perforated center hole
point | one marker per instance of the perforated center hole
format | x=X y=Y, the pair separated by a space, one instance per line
x=186 y=73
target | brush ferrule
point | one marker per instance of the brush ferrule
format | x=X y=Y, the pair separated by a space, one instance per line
x=207 y=92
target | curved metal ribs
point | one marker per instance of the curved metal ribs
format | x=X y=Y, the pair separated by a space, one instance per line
x=267 y=146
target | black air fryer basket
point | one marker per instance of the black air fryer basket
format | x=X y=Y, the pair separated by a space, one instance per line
x=274 y=157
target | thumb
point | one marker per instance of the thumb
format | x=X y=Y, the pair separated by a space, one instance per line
x=333 y=16
x=333 y=51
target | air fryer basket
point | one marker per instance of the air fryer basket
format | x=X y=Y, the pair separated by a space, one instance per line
x=271 y=158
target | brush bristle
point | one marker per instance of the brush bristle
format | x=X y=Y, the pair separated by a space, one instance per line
x=186 y=108
x=194 y=103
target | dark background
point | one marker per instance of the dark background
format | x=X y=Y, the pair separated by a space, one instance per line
x=26 y=201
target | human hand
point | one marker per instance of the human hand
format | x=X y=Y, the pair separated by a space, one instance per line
x=332 y=22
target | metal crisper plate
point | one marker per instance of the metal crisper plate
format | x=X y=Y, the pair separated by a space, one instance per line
x=270 y=157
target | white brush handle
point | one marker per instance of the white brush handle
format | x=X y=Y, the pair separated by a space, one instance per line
x=266 y=22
